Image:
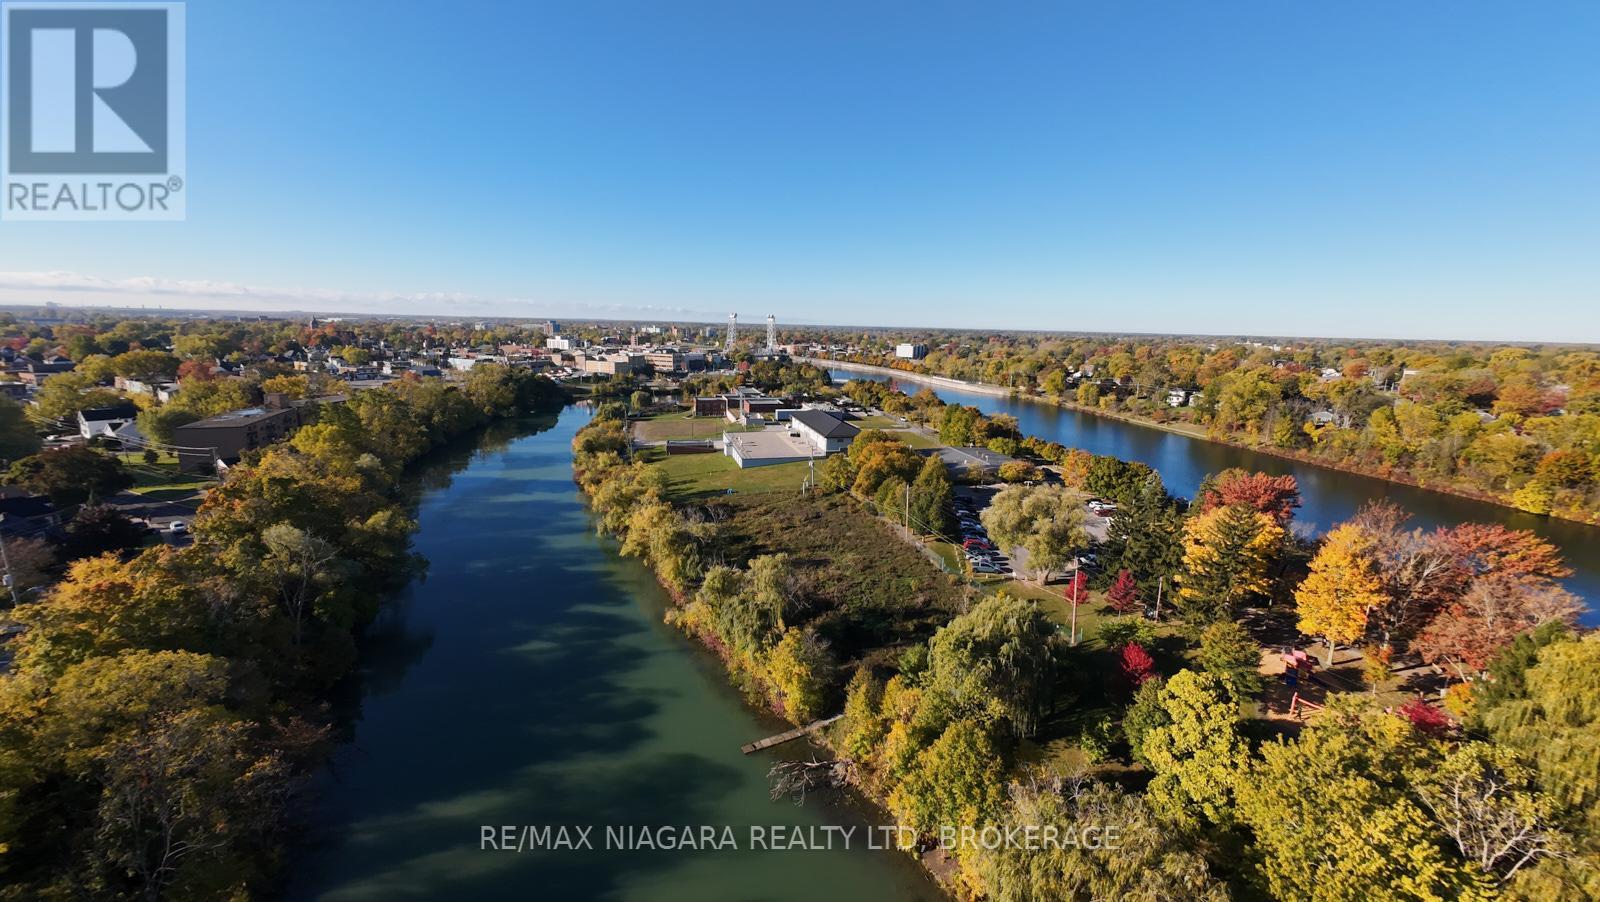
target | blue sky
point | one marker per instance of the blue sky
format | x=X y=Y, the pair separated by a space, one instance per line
x=1377 y=169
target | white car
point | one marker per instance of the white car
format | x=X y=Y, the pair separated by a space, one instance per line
x=178 y=527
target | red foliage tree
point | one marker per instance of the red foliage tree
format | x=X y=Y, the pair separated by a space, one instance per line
x=1136 y=664
x=1077 y=588
x=1489 y=548
x=1276 y=496
x=1124 y=594
x=1427 y=719
x=1470 y=632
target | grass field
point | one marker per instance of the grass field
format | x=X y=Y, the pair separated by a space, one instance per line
x=683 y=426
x=161 y=480
x=695 y=476
x=870 y=588
x=916 y=439
x=878 y=422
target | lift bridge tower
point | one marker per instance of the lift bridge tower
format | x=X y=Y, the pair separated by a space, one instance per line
x=733 y=325
x=772 y=332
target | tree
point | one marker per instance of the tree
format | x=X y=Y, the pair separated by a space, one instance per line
x=1228 y=651
x=931 y=495
x=1045 y=521
x=997 y=661
x=1123 y=596
x=1277 y=496
x=158 y=423
x=17 y=436
x=1145 y=538
x=178 y=795
x=1333 y=600
x=1556 y=725
x=1136 y=664
x=801 y=669
x=62 y=396
x=70 y=475
x=1013 y=471
x=1197 y=752
x=1332 y=817
x=1227 y=555
x=102 y=529
x=301 y=564
x=1488 y=802
x=1150 y=861
x=956 y=780
x=1470 y=632
x=146 y=366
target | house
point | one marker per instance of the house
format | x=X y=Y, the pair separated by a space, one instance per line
x=36 y=373
x=222 y=438
x=910 y=351
x=826 y=432
x=1177 y=397
x=105 y=421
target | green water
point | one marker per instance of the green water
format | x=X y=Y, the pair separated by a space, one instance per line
x=529 y=681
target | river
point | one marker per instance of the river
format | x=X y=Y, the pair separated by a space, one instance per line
x=1328 y=496
x=530 y=681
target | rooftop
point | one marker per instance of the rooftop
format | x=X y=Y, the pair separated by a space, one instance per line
x=825 y=424
x=237 y=417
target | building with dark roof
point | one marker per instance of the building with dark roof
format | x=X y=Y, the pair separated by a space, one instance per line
x=826 y=432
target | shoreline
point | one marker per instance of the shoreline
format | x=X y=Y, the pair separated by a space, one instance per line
x=1197 y=434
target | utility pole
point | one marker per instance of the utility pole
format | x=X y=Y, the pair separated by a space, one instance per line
x=1075 y=574
x=1160 y=584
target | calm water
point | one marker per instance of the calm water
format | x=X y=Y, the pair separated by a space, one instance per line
x=530 y=680
x=1329 y=496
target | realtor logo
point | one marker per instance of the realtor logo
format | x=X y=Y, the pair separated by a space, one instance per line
x=93 y=111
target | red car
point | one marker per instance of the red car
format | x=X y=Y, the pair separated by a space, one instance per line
x=970 y=544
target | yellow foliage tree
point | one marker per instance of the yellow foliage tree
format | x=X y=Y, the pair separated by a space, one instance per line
x=1343 y=586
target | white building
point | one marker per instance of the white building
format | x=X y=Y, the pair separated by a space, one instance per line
x=825 y=432
x=910 y=351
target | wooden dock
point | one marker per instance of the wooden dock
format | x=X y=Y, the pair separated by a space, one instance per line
x=787 y=735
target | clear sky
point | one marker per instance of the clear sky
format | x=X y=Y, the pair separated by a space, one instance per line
x=1413 y=169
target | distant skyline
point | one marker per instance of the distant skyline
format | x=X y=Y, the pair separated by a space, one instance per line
x=1415 y=171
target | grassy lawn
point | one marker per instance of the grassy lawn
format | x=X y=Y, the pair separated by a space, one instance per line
x=916 y=439
x=161 y=480
x=694 y=476
x=877 y=422
x=683 y=426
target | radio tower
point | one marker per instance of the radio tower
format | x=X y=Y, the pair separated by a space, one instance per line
x=772 y=332
x=733 y=323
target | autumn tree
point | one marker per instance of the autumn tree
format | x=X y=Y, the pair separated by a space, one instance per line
x=1332 y=817
x=1123 y=595
x=1227 y=555
x=1276 y=496
x=1343 y=585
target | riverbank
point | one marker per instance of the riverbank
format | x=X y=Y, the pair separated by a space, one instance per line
x=1186 y=430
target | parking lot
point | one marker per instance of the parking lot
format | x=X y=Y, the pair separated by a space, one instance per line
x=980 y=551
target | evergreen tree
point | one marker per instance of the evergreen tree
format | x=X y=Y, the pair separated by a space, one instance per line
x=1227 y=555
x=1144 y=538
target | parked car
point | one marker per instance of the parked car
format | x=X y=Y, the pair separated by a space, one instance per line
x=178 y=527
